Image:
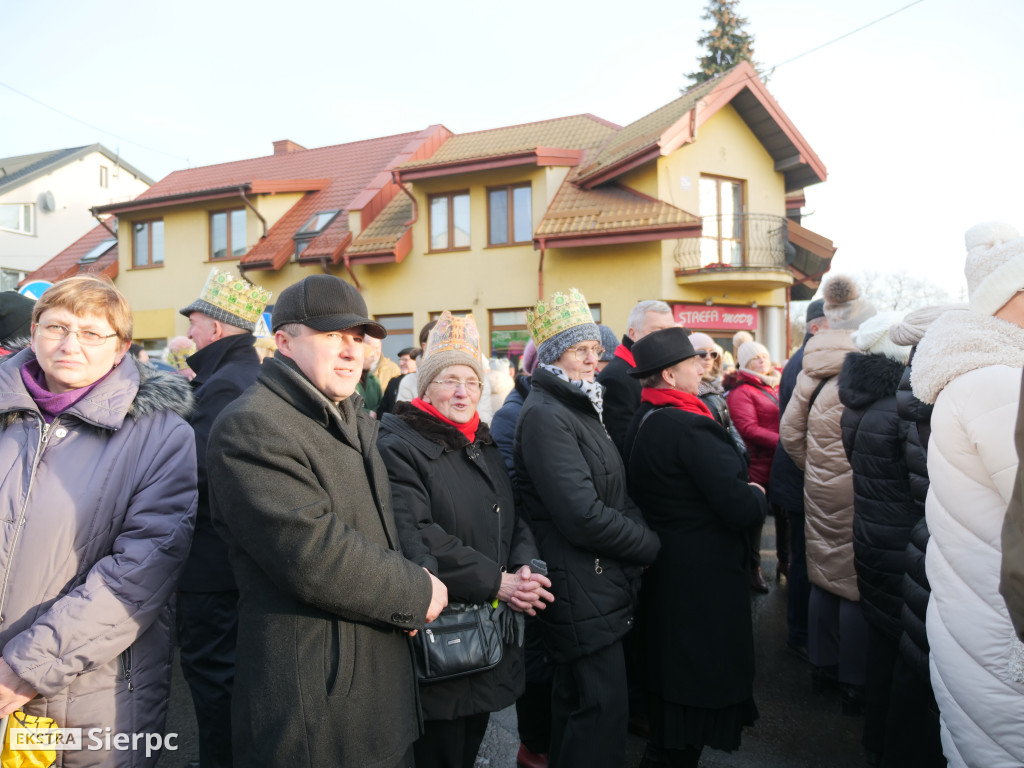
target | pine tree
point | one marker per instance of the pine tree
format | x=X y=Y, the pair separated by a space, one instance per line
x=727 y=44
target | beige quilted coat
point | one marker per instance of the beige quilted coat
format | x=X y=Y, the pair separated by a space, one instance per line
x=814 y=441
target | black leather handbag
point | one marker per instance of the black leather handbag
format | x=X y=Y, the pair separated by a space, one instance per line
x=463 y=640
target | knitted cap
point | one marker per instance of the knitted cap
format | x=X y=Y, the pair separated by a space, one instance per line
x=873 y=337
x=916 y=323
x=815 y=310
x=453 y=341
x=701 y=340
x=549 y=351
x=994 y=267
x=749 y=351
x=609 y=341
x=844 y=307
x=530 y=358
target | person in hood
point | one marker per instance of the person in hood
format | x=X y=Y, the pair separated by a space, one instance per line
x=969 y=365
x=810 y=432
x=100 y=478
x=884 y=511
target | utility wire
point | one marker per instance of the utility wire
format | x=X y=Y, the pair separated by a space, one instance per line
x=851 y=32
x=90 y=125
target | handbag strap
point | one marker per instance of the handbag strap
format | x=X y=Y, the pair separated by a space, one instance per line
x=816 y=392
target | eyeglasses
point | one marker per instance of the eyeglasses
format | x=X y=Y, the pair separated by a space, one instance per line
x=582 y=352
x=450 y=385
x=85 y=338
x=703 y=353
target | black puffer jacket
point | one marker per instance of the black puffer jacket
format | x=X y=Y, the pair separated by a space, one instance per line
x=456 y=518
x=593 y=537
x=884 y=510
x=916 y=590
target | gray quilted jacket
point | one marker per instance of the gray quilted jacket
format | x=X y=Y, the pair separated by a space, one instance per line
x=98 y=510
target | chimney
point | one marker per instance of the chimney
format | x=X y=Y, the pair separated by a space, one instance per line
x=286 y=147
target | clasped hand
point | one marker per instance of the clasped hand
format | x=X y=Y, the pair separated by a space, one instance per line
x=525 y=591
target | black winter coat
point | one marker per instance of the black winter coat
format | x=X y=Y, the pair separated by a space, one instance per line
x=691 y=483
x=456 y=517
x=916 y=589
x=884 y=509
x=621 y=397
x=324 y=673
x=573 y=493
x=224 y=370
x=503 y=423
x=786 y=486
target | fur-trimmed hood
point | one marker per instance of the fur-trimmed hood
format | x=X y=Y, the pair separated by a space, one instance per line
x=961 y=342
x=156 y=390
x=866 y=379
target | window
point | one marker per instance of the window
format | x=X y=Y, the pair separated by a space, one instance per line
x=148 y=243
x=721 y=210
x=104 y=176
x=509 y=215
x=400 y=334
x=595 y=312
x=18 y=218
x=227 y=231
x=449 y=221
x=312 y=228
x=98 y=251
x=9 y=279
x=509 y=334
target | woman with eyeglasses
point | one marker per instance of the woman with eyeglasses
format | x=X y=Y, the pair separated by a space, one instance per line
x=691 y=484
x=753 y=395
x=99 y=492
x=573 y=489
x=456 y=517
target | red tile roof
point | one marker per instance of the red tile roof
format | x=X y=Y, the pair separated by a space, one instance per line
x=65 y=263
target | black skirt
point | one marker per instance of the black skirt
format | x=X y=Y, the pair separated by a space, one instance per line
x=677 y=726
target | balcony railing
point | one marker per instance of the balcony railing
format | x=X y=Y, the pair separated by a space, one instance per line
x=738 y=241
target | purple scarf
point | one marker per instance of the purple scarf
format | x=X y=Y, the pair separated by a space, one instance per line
x=51 y=405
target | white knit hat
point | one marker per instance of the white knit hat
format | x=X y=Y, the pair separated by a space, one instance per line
x=872 y=336
x=844 y=307
x=994 y=267
x=748 y=351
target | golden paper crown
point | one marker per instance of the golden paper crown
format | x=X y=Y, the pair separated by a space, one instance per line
x=454 y=334
x=235 y=295
x=559 y=313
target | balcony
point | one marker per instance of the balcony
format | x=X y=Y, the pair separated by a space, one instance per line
x=751 y=249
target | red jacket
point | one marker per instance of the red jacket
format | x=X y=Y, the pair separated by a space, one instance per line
x=754 y=409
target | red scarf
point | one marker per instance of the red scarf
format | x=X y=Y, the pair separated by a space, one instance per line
x=684 y=401
x=468 y=429
x=625 y=354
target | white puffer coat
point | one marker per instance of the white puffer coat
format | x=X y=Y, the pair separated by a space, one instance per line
x=969 y=365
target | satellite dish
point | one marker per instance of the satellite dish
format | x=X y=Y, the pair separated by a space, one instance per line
x=46 y=202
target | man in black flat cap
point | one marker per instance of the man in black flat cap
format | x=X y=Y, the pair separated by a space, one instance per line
x=326 y=598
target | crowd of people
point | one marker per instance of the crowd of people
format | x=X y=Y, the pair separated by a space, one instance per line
x=361 y=559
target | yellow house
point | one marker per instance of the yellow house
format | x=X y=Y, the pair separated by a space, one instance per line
x=696 y=204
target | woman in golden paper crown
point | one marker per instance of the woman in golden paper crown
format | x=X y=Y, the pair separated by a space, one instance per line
x=592 y=536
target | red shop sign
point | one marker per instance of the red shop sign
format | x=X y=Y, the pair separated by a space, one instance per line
x=695 y=316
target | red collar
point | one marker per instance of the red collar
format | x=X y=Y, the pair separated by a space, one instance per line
x=468 y=429
x=673 y=397
x=625 y=354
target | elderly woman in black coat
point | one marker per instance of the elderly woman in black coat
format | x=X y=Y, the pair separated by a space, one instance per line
x=456 y=517
x=689 y=480
x=595 y=542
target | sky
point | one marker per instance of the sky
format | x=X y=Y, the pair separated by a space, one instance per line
x=917 y=117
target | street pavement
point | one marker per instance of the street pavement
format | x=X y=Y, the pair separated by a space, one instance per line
x=797 y=728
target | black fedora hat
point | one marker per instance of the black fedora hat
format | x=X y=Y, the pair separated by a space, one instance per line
x=660 y=350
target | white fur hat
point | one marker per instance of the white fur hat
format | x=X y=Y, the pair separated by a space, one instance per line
x=872 y=336
x=994 y=267
x=845 y=309
x=748 y=351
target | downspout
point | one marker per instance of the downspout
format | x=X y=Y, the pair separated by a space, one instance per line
x=241 y=193
x=348 y=266
x=102 y=223
x=540 y=271
x=396 y=177
x=789 y=322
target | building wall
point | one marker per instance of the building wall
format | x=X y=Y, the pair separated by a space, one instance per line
x=76 y=188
